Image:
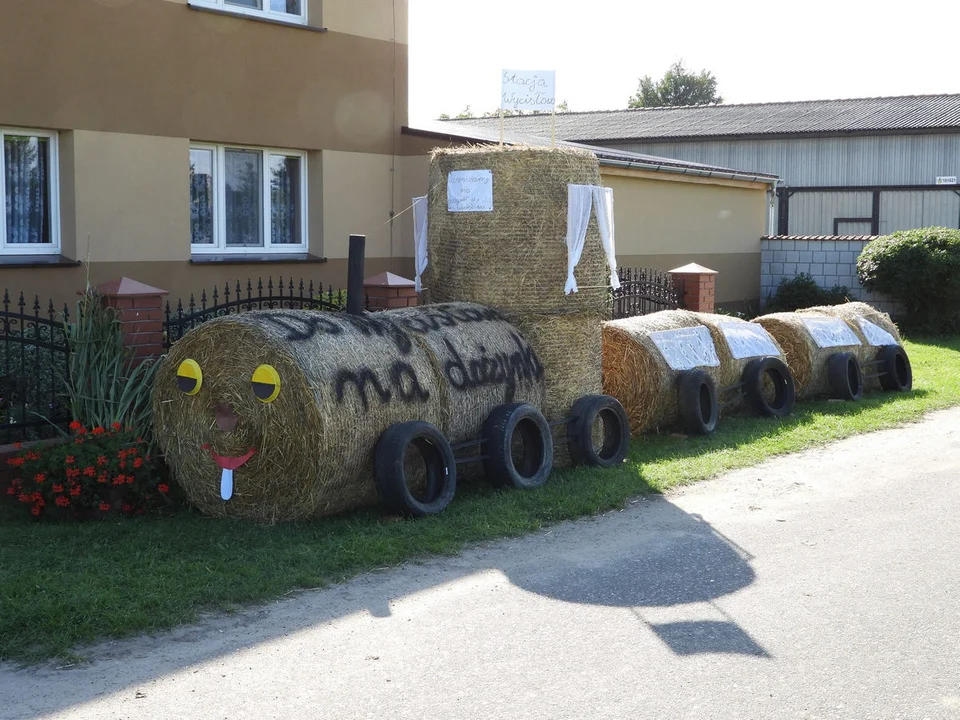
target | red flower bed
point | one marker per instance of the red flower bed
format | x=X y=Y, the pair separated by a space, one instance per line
x=102 y=472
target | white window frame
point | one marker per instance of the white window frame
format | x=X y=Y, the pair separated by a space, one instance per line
x=300 y=19
x=52 y=247
x=219 y=246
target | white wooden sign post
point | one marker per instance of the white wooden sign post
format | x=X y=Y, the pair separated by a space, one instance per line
x=530 y=90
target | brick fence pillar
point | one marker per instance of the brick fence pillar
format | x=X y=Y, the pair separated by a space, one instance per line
x=699 y=287
x=387 y=291
x=140 y=308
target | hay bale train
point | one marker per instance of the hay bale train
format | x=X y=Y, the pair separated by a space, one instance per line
x=289 y=414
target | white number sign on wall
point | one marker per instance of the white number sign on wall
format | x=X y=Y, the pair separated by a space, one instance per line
x=747 y=340
x=686 y=348
x=528 y=90
x=946 y=180
x=830 y=332
x=470 y=191
x=875 y=334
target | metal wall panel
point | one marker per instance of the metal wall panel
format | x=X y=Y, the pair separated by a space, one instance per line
x=906 y=210
x=813 y=213
x=880 y=160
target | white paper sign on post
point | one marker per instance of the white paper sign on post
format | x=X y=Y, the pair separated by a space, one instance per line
x=470 y=191
x=686 y=348
x=528 y=90
x=747 y=340
x=830 y=332
x=875 y=334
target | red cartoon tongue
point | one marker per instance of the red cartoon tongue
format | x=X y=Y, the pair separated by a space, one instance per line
x=228 y=463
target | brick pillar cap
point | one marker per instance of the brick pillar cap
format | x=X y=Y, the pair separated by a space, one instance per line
x=127 y=287
x=693 y=268
x=388 y=279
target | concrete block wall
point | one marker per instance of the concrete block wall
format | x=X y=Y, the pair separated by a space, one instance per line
x=829 y=262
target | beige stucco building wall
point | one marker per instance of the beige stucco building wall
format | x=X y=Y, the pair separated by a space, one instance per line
x=129 y=85
x=666 y=220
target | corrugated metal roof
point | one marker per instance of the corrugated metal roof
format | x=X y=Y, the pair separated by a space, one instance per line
x=816 y=117
x=470 y=133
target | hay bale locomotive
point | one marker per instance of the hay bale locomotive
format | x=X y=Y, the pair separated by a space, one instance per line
x=281 y=415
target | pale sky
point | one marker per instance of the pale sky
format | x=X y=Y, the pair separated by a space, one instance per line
x=758 y=51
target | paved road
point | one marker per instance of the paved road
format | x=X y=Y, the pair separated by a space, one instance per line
x=820 y=585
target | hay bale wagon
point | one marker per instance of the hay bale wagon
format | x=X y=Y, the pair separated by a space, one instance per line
x=827 y=349
x=282 y=415
x=678 y=368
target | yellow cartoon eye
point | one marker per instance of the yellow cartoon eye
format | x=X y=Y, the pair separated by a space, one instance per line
x=266 y=383
x=189 y=377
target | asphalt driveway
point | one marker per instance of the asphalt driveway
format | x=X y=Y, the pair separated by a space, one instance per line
x=819 y=585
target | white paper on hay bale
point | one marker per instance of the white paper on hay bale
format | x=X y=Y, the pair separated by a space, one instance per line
x=830 y=332
x=686 y=348
x=875 y=334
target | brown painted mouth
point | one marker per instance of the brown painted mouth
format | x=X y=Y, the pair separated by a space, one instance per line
x=229 y=463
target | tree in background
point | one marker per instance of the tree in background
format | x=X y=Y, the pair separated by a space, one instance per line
x=679 y=87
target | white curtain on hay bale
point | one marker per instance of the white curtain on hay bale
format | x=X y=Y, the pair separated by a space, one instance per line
x=420 y=238
x=603 y=203
x=580 y=200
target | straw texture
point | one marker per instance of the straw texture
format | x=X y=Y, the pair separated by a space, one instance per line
x=636 y=373
x=344 y=380
x=806 y=360
x=514 y=258
x=866 y=353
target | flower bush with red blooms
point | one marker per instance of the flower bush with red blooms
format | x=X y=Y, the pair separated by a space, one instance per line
x=97 y=473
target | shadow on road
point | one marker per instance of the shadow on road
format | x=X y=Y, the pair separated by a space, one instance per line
x=649 y=558
x=679 y=560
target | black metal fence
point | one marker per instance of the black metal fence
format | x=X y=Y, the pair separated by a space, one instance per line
x=33 y=361
x=282 y=295
x=644 y=291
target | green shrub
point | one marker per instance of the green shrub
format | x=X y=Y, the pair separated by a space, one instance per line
x=105 y=385
x=803 y=292
x=921 y=269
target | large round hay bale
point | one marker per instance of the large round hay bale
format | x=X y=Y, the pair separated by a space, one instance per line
x=731 y=368
x=806 y=360
x=636 y=372
x=854 y=314
x=514 y=258
x=343 y=381
x=483 y=359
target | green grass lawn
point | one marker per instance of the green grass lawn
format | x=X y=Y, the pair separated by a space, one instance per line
x=62 y=586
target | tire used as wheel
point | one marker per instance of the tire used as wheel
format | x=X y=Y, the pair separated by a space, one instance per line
x=505 y=424
x=616 y=431
x=390 y=474
x=896 y=373
x=785 y=393
x=845 y=376
x=699 y=405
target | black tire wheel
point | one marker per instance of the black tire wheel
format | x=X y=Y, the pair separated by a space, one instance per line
x=699 y=405
x=895 y=365
x=605 y=414
x=517 y=447
x=845 y=376
x=433 y=462
x=780 y=377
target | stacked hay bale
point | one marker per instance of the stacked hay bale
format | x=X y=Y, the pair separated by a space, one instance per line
x=514 y=259
x=805 y=358
x=343 y=380
x=853 y=313
x=636 y=372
